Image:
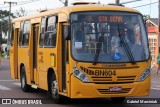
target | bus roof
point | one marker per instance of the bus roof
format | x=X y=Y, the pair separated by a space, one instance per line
x=78 y=8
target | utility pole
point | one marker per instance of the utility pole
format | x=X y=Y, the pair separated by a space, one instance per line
x=130 y=1
x=117 y=2
x=65 y=3
x=9 y=23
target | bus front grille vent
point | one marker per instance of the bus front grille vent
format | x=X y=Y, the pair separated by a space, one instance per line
x=119 y=79
x=107 y=91
x=126 y=78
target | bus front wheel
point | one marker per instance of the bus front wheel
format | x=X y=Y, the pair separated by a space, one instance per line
x=53 y=88
x=25 y=87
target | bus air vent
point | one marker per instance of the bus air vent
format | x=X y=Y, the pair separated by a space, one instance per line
x=106 y=91
x=126 y=78
x=120 y=79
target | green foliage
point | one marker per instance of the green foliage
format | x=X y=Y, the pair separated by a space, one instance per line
x=146 y=17
x=5 y=26
x=21 y=12
x=4 y=14
x=4 y=41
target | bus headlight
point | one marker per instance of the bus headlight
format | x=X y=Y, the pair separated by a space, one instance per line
x=76 y=72
x=145 y=74
x=80 y=75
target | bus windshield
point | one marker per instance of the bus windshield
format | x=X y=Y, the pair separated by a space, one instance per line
x=102 y=33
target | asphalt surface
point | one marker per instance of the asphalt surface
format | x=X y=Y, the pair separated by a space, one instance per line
x=10 y=88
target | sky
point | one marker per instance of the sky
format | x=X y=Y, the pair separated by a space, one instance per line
x=33 y=6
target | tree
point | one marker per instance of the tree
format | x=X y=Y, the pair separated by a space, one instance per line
x=5 y=13
x=146 y=17
x=21 y=12
x=4 y=22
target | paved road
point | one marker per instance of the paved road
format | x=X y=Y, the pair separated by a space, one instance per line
x=10 y=88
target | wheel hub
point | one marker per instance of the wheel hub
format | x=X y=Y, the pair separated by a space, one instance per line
x=54 y=88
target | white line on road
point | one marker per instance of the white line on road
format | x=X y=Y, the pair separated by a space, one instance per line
x=4 y=88
x=19 y=84
x=155 y=82
x=7 y=80
x=155 y=88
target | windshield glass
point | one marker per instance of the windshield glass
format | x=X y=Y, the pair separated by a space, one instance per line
x=104 y=31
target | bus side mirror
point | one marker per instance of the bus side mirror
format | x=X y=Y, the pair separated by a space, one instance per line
x=66 y=31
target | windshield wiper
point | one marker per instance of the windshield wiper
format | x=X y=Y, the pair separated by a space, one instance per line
x=98 y=49
x=126 y=47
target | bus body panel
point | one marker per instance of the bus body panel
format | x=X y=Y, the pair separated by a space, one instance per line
x=23 y=58
x=126 y=77
x=13 y=59
x=90 y=90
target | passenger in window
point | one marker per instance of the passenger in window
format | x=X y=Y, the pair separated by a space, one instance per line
x=89 y=38
x=79 y=39
x=103 y=33
x=41 y=40
x=80 y=35
x=138 y=38
x=115 y=41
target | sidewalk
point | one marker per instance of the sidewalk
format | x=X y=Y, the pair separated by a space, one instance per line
x=154 y=73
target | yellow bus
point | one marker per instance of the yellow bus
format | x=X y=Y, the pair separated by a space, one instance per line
x=82 y=51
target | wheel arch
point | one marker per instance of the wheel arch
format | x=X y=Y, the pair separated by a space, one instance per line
x=21 y=65
x=50 y=72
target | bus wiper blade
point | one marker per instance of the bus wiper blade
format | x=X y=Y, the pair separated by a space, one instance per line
x=98 y=49
x=126 y=47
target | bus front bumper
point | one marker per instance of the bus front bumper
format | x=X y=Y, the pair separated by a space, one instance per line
x=78 y=89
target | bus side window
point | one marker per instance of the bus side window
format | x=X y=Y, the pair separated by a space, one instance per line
x=41 y=39
x=51 y=31
x=25 y=34
x=12 y=36
x=21 y=35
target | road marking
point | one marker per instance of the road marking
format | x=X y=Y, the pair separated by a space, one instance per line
x=155 y=88
x=156 y=85
x=19 y=84
x=7 y=80
x=155 y=82
x=4 y=88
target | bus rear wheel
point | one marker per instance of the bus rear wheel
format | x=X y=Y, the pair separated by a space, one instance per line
x=118 y=99
x=25 y=87
x=53 y=90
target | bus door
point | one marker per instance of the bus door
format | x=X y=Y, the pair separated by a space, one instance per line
x=34 y=73
x=13 y=51
x=65 y=56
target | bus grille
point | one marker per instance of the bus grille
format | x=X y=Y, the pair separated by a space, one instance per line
x=106 y=91
x=120 y=79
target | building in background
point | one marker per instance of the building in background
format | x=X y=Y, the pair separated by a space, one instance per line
x=152 y=26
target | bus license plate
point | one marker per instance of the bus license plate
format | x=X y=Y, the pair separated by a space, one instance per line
x=115 y=89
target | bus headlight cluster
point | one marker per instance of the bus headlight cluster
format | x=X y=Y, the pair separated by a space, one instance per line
x=145 y=74
x=80 y=75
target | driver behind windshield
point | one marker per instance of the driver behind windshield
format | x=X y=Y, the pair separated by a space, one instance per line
x=115 y=41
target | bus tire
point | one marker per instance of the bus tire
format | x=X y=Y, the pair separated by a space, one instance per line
x=53 y=91
x=118 y=99
x=24 y=86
